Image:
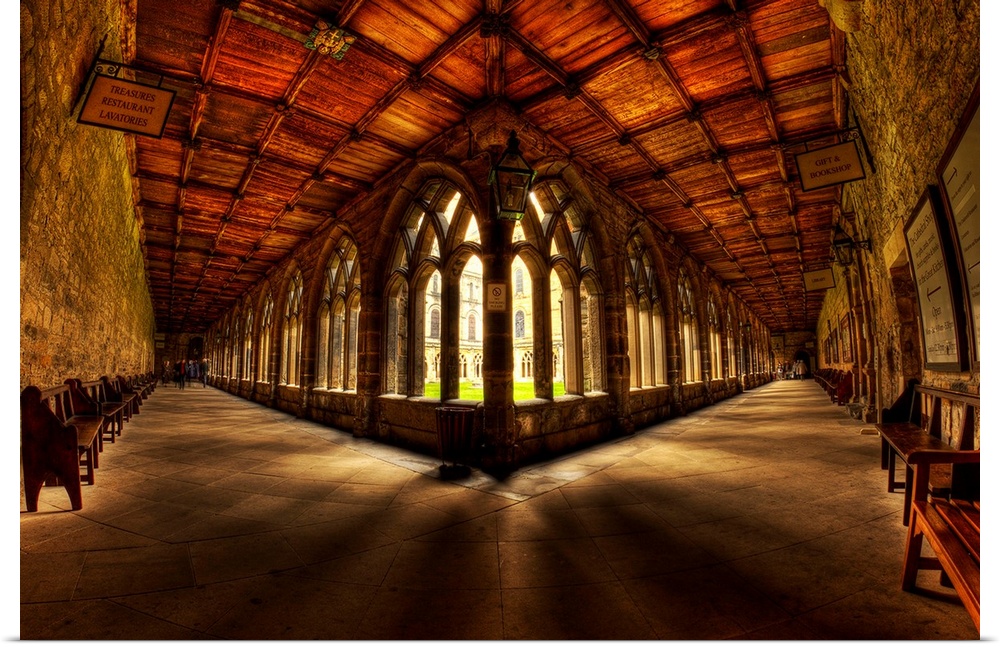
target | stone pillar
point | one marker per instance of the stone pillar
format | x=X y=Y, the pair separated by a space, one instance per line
x=307 y=361
x=451 y=306
x=369 y=360
x=274 y=367
x=541 y=331
x=674 y=357
x=618 y=384
x=864 y=357
x=499 y=425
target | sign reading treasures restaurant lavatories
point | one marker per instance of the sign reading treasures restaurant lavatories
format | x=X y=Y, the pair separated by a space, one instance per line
x=127 y=105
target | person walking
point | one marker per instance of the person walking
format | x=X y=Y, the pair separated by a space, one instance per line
x=203 y=371
x=800 y=369
x=181 y=374
x=192 y=370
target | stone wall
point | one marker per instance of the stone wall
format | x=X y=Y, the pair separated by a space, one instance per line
x=831 y=349
x=85 y=304
x=912 y=66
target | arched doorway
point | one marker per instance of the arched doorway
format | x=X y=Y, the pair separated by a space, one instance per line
x=195 y=348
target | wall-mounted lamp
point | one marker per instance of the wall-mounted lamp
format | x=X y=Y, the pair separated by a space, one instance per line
x=844 y=246
x=511 y=179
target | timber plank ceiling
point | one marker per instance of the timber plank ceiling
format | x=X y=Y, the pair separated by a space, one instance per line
x=692 y=110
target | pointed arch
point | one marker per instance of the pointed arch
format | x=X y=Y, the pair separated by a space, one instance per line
x=337 y=318
x=644 y=316
x=291 y=331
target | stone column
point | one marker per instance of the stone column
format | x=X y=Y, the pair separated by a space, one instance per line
x=674 y=353
x=499 y=425
x=864 y=358
x=307 y=361
x=369 y=361
x=617 y=379
x=542 y=332
x=451 y=311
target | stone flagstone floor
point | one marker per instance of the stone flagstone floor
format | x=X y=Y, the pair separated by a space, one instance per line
x=763 y=517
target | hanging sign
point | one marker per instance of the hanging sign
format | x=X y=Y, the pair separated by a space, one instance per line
x=818 y=279
x=126 y=105
x=830 y=165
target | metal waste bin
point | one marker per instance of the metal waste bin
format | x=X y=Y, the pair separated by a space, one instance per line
x=454 y=426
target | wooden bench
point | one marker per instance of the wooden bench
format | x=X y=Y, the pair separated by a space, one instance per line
x=113 y=412
x=844 y=390
x=838 y=384
x=114 y=392
x=951 y=528
x=141 y=384
x=147 y=382
x=125 y=386
x=912 y=441
x=834 y=383
x=56 y=441
x=823 y=377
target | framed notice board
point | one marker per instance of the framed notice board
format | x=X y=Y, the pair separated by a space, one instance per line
x=958 y=177
x=932 y=263
x=846 y=345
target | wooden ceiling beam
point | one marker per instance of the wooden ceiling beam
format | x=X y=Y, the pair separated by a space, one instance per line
x=598 y=111
x=777 y=196
x=493 y=31
x=674 y=81
x=214 y=48
x=413 y=76
x=347 y=11
x=207 y=72
x=638 y=30
x=606 y=65
x=536 y=56
x=635 y=26
x=739 y=22
x=358 y=131
x=690 y=28
x=302 y=76
x=450 y=46
x=841 y=99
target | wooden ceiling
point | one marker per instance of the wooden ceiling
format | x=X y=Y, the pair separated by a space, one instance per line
x=692 y=110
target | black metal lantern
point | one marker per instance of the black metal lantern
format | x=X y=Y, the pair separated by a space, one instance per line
x=511 y=179
x=843 y=246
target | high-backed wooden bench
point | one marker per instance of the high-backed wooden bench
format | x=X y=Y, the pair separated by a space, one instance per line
x=844 y=390
x=56 y=441
x=113 y=412
x=824 y=377
x=951 y=527
x=125 y=387
x=914 y=442
x=141 y=384
x=838 y=384
x=148 y=384
x=114 y=392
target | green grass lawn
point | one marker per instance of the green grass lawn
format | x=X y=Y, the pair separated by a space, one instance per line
x=522 y=390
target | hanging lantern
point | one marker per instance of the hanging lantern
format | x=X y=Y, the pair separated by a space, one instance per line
x=511 y=180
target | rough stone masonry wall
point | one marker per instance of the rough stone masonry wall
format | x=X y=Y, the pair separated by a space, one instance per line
x=85 y=304
x=912 y=67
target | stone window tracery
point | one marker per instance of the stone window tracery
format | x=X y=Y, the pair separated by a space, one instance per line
x=337 y=318
x=291 y=346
